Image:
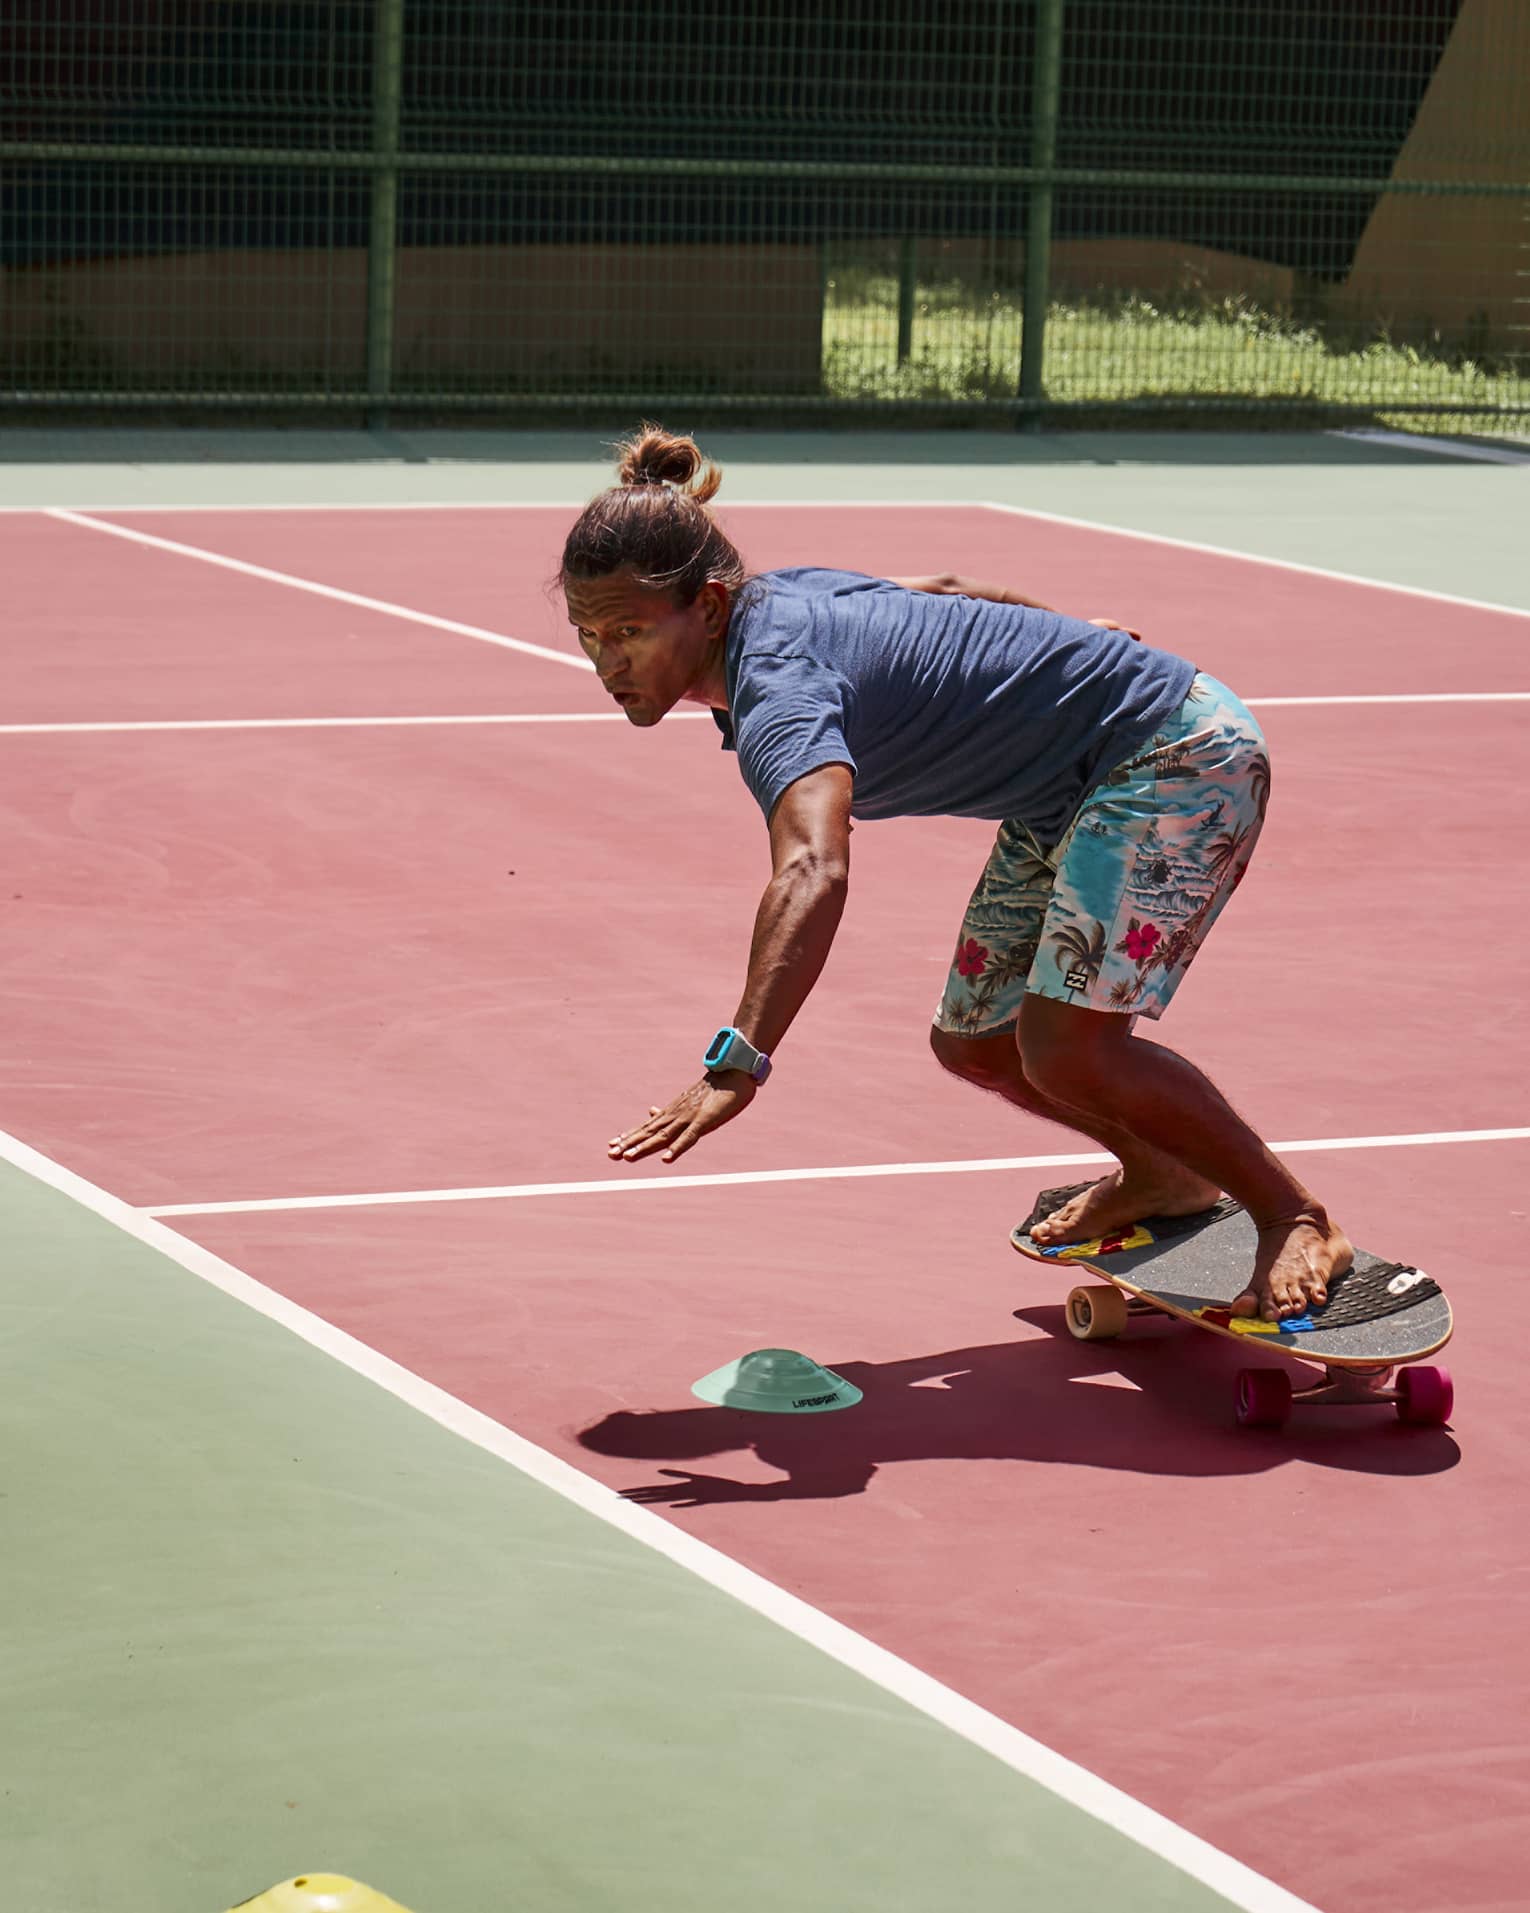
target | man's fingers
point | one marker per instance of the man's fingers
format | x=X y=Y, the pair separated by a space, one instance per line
x=639 y=1141
x=658 y=1121
x=681 y=1124
x=646 y=1145
x=692 y=1133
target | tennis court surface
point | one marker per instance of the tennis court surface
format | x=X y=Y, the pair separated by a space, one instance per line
x=358 y=1514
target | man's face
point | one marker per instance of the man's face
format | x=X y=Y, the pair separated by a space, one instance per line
x=649 y=651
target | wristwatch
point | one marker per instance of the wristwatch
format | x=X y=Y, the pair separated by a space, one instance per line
x=731 y=1049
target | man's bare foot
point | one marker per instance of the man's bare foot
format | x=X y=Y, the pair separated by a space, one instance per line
x=1118 y=1200
x=1298 y=1256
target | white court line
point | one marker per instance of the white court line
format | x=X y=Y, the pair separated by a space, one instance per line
x=379 y=605
x=341 y=723
x=753 y=504
x=1441 y=447
x=632 y=1184
x=1398 y=697
x=907 y=1683
x=1255 y=558
x=616 y=717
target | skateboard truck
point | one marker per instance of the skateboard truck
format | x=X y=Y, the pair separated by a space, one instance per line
x=1265 y=1397
x=1421 y=1394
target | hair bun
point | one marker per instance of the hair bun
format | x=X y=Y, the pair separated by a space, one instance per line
x=656 y=457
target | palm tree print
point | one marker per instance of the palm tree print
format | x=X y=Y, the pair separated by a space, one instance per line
x=1079 y=956
x=1222 y=853
x=1010 y=965
x=1259 y=782
x=962 y=1015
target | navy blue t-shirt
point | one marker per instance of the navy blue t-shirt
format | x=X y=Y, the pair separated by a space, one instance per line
x=941 y=706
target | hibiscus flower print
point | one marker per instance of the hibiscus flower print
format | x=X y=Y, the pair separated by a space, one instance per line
x=971 y=957
x=1139 y=941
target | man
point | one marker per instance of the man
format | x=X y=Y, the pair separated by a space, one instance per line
x=1129 y=789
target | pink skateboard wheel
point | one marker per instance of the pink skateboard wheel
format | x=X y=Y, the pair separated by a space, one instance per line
x=1264 y=1397
x=1425 y=1396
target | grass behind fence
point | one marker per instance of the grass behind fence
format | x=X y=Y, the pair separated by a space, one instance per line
x=966 y=345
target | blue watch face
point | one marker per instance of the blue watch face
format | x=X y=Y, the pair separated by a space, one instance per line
x=721 y=1043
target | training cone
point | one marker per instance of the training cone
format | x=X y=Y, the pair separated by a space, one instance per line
x=777 y=1381
x=320 y=1893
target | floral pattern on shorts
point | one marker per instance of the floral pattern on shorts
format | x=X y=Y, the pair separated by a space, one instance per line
x=1111 y=918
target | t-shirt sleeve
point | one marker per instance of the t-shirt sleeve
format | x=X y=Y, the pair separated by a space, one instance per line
x=790 y=716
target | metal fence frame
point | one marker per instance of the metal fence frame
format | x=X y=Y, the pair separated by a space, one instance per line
x=385 y=162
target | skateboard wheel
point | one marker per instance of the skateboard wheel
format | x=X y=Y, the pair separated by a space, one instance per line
x=1096 y=1314
x=1425 y=1396
x=1264 y=1398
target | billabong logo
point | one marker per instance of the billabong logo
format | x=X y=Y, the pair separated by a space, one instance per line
x=1404 y=1280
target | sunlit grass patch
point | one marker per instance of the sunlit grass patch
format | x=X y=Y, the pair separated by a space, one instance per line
x=965 y=345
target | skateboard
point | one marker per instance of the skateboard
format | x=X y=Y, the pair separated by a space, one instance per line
x=1380 y=1319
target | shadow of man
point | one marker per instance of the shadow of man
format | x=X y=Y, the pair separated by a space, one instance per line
x=1006 y=1401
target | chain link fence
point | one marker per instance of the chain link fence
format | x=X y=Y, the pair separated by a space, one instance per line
x=1273 y=210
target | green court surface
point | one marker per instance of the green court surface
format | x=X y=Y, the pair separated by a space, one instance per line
x=259 y=1616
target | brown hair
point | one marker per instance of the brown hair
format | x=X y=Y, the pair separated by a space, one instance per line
x=654 y=522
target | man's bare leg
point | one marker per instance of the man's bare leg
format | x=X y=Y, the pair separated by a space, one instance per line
x=1148 y=1183
x=1173 y=1111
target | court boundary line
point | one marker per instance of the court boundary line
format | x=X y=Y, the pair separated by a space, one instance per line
x=616 y=717
x=1066 y=1779
x=1255 y=558
x=358 y=723
x=1442 y=447
x=74 y=515
x=382 y=606
x=732 y=1179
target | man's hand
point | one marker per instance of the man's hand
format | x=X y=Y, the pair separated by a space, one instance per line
x=951 y=584
x=697 y=1491
x=706 y=1105
x=1109 y=624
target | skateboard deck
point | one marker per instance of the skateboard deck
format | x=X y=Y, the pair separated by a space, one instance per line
x=1380 y=1316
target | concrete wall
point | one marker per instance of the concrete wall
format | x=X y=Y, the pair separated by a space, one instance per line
x=1456 y=264
x=739 y=317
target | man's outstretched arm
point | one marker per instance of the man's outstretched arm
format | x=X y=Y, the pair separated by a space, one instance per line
x=950 y=584
x=793 y=929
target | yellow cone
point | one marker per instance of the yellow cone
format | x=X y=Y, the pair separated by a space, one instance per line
x=320 y=1893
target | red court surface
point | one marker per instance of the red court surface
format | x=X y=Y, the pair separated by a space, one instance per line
x=274 y=964
x=323 y=977
x=209 y=642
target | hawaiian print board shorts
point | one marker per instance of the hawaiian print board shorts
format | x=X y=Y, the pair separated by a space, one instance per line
x=1111 y=916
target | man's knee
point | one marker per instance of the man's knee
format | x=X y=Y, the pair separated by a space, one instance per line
x=986 y=1060
x=1068 y=1051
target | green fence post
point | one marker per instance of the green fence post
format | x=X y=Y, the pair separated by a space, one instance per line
x=382 y=240
x=1046 y=84
x=908 y=289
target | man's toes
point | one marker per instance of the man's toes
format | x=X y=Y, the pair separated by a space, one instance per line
x=1291 y=1296
x=1053 y=1228
x=1245 y=1304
